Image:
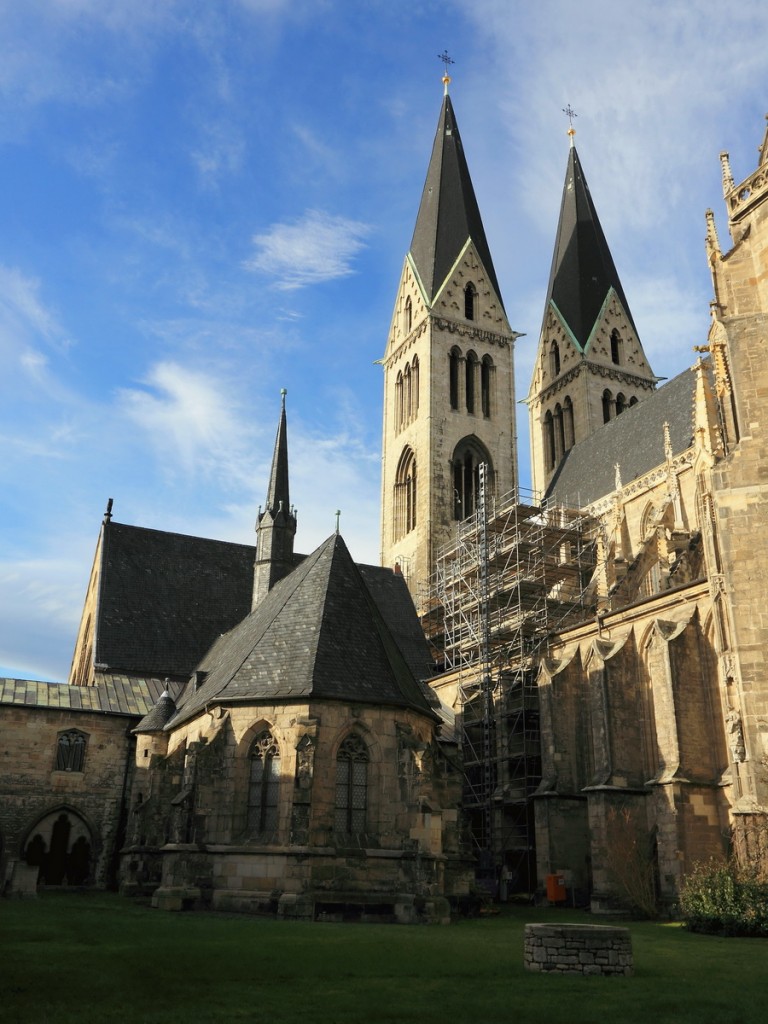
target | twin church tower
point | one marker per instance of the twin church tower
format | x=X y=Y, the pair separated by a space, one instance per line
x=449 y=391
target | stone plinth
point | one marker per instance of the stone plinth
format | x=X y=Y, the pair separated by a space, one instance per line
x=578 y=949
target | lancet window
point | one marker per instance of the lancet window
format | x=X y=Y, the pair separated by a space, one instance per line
x=617 y=346
x=264 y=783
x=351 y=785
x=470 y=302
x=471 y=380
x=486 y=378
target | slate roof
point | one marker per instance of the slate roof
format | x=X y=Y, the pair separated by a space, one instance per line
x=318 y=634
x=448 y=213
x=118 y=695
x=582 y=270
x=635 y=440
x=165 y=597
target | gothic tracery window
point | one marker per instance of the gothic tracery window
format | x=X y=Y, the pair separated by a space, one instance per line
x=351 y=785
x=264 y=783
x=70 y=751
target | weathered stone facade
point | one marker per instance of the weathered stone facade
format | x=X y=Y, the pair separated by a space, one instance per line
x=62 y=809
x=206 y=852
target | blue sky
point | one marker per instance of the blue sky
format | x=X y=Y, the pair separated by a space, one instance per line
x=205 y=201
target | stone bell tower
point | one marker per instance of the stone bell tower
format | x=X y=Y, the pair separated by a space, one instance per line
x=590 y=365
x=449 y=402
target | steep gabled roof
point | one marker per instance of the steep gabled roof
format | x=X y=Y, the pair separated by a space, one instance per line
x=448 y=215
x=318 y=634
x=165 y=597
x=634 y=440
x=583 y=271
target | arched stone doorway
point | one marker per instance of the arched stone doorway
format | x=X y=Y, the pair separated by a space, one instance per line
x=60 y=845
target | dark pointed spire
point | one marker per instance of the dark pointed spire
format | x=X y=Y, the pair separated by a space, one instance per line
x=277 y=492
x=276 y=526
x=448 y=214
x=583 y=270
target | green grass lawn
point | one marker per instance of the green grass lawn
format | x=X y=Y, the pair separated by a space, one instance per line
x=88 y=958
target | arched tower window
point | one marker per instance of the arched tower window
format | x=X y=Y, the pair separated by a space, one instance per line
x=415 y=387
x=568 y=432
x=399 y=400
x=616 y=347
x=470 y=302
x=466 y=461
x=70 y=751
x=453 y=373
x=263 y=783
x=607 y=405
x=549 y=440
x=559 y=432
x=407 y=393
x=408 y=316
x=405 y=494
x=471 y=377
x=486 y=375
x=621 y=404
x=554 y=359
x=632 y=401
x=351 y=786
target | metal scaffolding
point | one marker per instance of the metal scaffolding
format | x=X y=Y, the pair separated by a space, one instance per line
x=516 y=572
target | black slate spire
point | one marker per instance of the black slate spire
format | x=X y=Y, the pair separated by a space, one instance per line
x=448 y=214
x=583 y=270
x=276 y=526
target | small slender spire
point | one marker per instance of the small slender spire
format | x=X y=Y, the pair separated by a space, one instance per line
x=277 y=493
x=728 y=182
x=108 y=511
x=276 y=525
x=338 y=517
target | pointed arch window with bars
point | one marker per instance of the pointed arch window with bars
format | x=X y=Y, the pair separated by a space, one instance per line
x=264 y=783
x=351 y=785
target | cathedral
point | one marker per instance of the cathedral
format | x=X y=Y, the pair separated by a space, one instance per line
x=537 y=692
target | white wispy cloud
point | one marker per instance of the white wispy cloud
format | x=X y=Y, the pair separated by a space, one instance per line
x=191 y=419
x=318 y=247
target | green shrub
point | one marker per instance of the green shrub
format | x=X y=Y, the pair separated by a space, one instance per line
x=720 y=898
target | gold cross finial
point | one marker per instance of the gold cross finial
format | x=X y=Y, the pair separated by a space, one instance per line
x=570 y=113
x=446 y=77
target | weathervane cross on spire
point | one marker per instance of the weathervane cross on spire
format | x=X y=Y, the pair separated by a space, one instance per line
x=570 y=113
x=446 y=61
